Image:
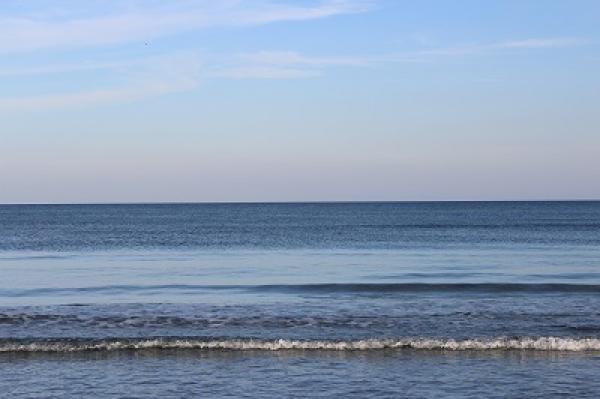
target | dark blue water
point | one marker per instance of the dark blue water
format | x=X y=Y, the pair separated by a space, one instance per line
x=467 y=299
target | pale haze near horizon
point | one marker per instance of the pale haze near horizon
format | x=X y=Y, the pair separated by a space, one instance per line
x=150 y=101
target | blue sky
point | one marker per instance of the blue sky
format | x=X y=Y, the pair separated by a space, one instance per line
x=275 y=100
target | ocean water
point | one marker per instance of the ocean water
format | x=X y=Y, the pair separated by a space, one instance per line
x=427 y=300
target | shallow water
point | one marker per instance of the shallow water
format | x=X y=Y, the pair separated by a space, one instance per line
x=356 y=299
x=418 y=374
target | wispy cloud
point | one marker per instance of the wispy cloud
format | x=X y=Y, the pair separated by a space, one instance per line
x=286 y=58
x=147 y=20
x=541 y=43
x=65 y=68
x=147 y=78
x=86 y=98
x=168 y=73
x=265 y=72
x=283 y=65
x=487 y=48
x=176 y=72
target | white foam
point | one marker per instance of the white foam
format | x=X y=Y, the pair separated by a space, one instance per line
x=501 y=343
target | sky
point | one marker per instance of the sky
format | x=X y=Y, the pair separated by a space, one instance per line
x=281 y=100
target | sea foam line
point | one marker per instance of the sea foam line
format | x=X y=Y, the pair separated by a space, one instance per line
x=476 y=344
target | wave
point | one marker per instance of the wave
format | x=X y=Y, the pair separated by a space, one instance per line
x=430 y=287
x=222 y=321
x=166 y=343
x=314 y=288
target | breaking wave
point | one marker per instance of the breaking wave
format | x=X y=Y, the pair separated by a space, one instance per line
x=475 y=344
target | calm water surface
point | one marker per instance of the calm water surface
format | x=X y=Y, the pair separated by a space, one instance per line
x=482 y=299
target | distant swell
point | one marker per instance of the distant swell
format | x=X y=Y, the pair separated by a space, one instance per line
x=478 y=344
x=311 y=288
x=426 y=287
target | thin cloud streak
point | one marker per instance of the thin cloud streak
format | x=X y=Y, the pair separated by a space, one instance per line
x=483 y=48
x=86 y=98
x=64 y=68
x=294 y=58
x=265 y=72
x=542 y=43
x=283 y=65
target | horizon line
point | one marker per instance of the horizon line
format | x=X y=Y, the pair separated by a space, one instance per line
x=291 y=202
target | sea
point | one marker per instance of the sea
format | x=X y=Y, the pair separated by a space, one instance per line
x=277 y=300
